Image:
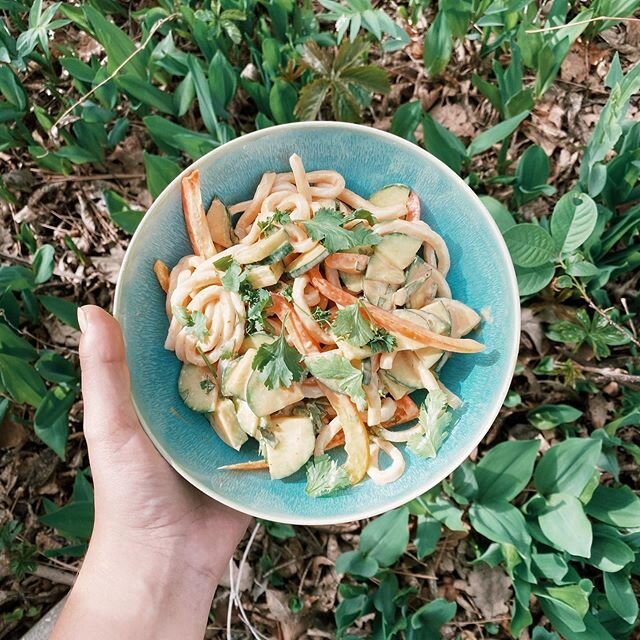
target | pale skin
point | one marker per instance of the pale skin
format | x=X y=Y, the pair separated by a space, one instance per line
x=159 y=546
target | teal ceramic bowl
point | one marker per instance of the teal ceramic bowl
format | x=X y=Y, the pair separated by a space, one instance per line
x=481 y=275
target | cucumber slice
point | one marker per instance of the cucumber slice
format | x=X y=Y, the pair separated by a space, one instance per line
x=219 y=222
x=197 y=388
x=379 y=293
x=366 y=371
x=236 y=374
x=261 y=249
x=396 y=389
x=420 y=272
x=225 y=423
x=247 y=420
x=256 y=341
x=353 y=353
x=463 y=318
x=437 y=317
x=265 y=275
x=352 y=282
x=295 y=441
x=404 y=371
x=307 y=261
x=281 y=252
x=399 y=250
x=390 y=195
x=428 y=356
x=264 y=402
x=380 y=269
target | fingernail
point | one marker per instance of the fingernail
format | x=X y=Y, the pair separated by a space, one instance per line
x=82 y=319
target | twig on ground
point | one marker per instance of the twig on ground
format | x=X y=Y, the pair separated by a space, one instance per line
x=54 y=575
x=581 y=22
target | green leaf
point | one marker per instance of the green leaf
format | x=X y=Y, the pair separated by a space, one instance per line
x=495 y=134
x=438 y=45
x=368 y=77
x=357 y=563
x=608 y=551
x=278 y=363
x=619 y=592
x=532 y=173
x=43 y=263
x=500 y=214
x=566 y=605
x=567 y=467
x=142 y=90
x=205 y=103
x=551 y=566
x=564 y=514
x=501 y=522
x=434 y=420
x=406 y=120
x=171 y=137
x=51 y=422
x=121 y=213
x=431 y=616
x=336 y=369
x=21 y=381
x=385 y=538
x=351 y=325
x=64 y=310
x=73 y=520
x=282 y=101
x=116 y=43
x=428 y=532
x=54 y=368
x=505 y=470
x=16 y=279
x=443 y=144
x=14 y=345
x=160 y=171
x=529 y=245
x=311 y=99
x=325 y=477
x=617 y=506
x=279 y=530
x=548 y=416
x=443 y=511
x=326 y=226
x=223 y=81
x=574 y=218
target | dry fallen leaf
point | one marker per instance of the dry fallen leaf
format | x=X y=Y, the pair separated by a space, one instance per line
x=532 y=326
x=490 y=589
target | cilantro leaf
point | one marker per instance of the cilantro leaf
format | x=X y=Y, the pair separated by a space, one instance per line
x=278 y=363
x=268 y=226
x=287 y=293
x=326 y=227
x=256 y=301
x=339 y=374
x=324 y=477
x=233 y=276
x=194 y=322
x=321 y=316
x=434 y=420
x=382 y=341
x=222 y=264
x=352 y=326
x=361 y=214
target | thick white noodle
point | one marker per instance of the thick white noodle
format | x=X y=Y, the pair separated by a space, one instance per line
x=392 y=212
x=303 y=311
x=325 y=435
x=251 y=212
x=393 y=471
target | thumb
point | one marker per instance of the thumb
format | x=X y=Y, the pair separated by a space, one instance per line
x=109 y=418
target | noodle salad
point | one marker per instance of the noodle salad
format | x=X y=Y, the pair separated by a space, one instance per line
x=307 y=323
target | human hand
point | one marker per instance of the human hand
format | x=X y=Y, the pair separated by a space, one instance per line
x=155 y=538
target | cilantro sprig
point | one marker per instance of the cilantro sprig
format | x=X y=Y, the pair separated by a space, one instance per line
x=194 y=322
x=434 y=419
x=278 y=363
x=338 y=373
x=234 y=276
x=322 y=317
x=325 y=477
x=278 y=219
x=351 y=325
x=256 y=302
x=327 y=226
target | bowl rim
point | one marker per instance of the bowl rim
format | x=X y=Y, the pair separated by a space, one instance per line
x=512 y=345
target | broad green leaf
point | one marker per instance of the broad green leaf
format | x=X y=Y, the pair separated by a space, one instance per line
x=501 y=522
x=443 y=511
x=551 y=566
x=357 y=563
x=608 y=551
x=500 y=214
x=428 y=533
x=14 y=345
x=74 y=521
x=574 y=218
x=51 y=422
x=21 y=381
x=529 y=245
x=282 y=101
x=121 y=213
x=431 y=616
x=532 y=174
x=567 y=467
x=203 y=91
x=369 y=77
x=16 y=279
x=505 y=470
x=563 y=514
x=54 y=368
x=43 y=263
x=160 y=171
x=385 y=538
x=279 y=530
x=619 y=592
x=438 y=45
x=62 y=309
x=495 y=134
x=533 y=279
x=406 y=120
x=443 y=144
x=171 y=137
x=311 y=98
x=548 y=416
x=617 y=506
x=223 y=81
x=567 y=604
x=142 y=90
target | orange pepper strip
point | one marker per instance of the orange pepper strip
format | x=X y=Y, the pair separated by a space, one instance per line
x=413 y=207
x=355 y=263
x=395 y=324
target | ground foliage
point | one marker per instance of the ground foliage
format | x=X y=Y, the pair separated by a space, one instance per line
x=103 y=103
